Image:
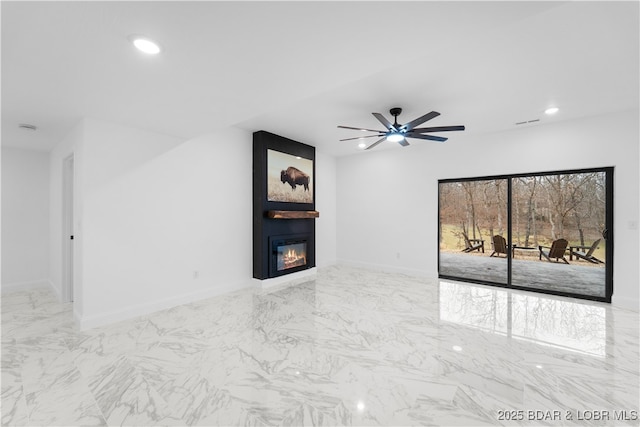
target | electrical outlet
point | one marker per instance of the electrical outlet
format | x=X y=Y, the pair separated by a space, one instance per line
x=196 y=274
x=633 y=225
x=398 y=255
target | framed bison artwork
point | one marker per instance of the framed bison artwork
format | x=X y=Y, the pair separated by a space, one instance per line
x=289 y=178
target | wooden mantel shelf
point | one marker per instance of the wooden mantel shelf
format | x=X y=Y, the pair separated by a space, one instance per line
x=292 y=214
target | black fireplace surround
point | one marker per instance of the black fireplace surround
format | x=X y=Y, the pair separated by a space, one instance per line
x=272 y=236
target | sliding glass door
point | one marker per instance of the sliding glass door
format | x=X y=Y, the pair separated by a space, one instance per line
x=473 y=215
x=550 y=232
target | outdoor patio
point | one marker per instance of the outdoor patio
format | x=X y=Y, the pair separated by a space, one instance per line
x=572 y=278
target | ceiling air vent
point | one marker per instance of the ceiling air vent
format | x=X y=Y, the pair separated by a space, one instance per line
x=26 y=126
x=527 y=121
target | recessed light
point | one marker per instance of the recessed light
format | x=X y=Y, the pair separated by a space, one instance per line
x=551 y=110
x=539 y=366
x=360 y=406
x=362 y=145
x=457 y=348
x=145 y=44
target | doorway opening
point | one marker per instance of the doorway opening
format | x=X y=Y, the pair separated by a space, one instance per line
x=67 y=228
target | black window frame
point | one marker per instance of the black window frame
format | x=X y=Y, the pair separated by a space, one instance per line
x=609 y=230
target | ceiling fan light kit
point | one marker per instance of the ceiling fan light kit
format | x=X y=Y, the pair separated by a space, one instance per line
x=395 y=137
x=398 y=133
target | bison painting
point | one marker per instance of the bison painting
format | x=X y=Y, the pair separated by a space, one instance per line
x=294 y=177
x=284 y=170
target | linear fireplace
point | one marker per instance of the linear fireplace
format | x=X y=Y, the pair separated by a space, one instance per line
x=288 y=254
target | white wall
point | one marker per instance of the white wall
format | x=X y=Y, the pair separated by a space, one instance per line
x=112 y=150
x=326 y=205
x=108 y=229
x=387 y=199
x=25 y=218
x=149 y=230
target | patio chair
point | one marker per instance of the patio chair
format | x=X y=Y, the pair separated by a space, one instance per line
x=499 y=246
x=556 y=251
x=586 y=255
x=473 y=244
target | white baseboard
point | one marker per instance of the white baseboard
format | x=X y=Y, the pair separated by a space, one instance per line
x=77 y=317
x=389 y=269
x=626 y=303
x=101 y=319
x=25 y=286
x=56 y=291
x=289 y=279
x=327 y=263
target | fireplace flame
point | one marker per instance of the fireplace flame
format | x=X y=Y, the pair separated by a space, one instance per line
x=292 y=258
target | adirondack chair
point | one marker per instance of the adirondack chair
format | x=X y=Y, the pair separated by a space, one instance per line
x=586 y=255
x=473 y=244
x=556 y=251
x=499 y=246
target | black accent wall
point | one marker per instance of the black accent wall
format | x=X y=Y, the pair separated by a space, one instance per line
x=264 y=227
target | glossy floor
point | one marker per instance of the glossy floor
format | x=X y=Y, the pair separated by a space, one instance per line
x=352 y=347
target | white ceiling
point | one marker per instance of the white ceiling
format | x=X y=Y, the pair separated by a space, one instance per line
x=299 y=69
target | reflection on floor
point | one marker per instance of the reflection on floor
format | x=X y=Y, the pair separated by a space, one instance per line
x=561 y=324
x=352 y=347
x=576 y=278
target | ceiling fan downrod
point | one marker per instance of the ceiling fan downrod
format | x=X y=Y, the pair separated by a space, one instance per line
x=395 y=112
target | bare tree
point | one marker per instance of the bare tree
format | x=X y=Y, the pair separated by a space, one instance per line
x=531 y=220
x=469 y=189
x=570 y=206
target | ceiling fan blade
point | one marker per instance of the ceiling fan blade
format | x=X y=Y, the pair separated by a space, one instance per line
x=438 y=129
x=403 y=142
x=413 y=123
x=375 y=143
x=360 y=137
x=362 y=129
x=428 y=137
x=384 y=121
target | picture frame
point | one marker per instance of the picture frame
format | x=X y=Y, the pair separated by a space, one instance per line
x=290 y=178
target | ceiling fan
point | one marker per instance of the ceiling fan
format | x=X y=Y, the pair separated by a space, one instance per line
x=398 y=133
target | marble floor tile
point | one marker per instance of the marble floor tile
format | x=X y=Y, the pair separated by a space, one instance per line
x=14 y=404
x=350 y=347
